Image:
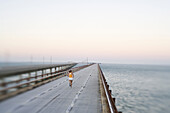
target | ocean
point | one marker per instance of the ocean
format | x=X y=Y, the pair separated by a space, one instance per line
x=139 y=88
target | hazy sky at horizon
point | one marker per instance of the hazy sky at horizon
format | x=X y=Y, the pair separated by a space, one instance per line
x=124 y=31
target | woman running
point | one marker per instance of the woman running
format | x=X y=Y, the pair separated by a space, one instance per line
x=70 y=77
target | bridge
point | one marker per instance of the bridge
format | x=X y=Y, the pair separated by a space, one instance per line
x=45 y=89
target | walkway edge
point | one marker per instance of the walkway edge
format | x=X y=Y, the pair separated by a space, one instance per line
x=108 y=103
x=104 y=103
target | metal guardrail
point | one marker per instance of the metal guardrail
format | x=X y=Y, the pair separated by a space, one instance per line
x=14 y=87
x=16 y=70
x=18 y=79
x=110 y=100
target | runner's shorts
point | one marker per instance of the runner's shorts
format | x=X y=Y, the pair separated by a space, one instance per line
x=70 y=78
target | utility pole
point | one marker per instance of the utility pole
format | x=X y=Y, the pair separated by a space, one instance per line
x=87 y=60
x=43 y=59
x=7 y=57
x=31 y=59
x=51 y=59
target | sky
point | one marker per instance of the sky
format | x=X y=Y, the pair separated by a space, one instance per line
x=107 y=31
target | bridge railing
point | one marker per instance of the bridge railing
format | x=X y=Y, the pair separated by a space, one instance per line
x=110 y=100
x=20 y=79
x=14 y=84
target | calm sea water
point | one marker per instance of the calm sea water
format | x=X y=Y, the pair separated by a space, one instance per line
x=139 y=88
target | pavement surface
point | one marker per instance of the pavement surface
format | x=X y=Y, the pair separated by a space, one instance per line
x=58 y=97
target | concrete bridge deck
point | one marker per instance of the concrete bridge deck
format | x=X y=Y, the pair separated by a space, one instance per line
x=58 y=97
